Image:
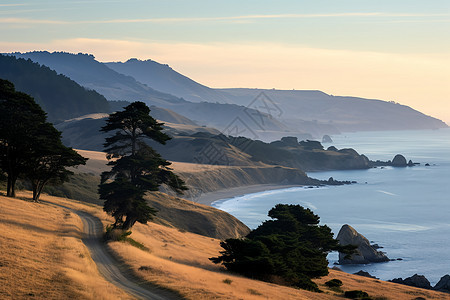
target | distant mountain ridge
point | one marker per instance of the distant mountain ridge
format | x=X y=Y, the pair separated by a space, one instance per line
x=165 y=79
x=296 y=112
x=345 y=113
x=306 y=109
x=85 y=70
x=61 y=97
x=88 y=72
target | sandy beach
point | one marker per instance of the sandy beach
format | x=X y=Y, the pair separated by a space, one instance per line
x=208 y=198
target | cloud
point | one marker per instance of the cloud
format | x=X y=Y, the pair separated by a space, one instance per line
x=24 y=21
x=234 y=19
x=14 y=4
x=418 y=80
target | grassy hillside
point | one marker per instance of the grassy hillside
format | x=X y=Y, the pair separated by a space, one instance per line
x=204 y=178
x=196 y=218
x=43 y=258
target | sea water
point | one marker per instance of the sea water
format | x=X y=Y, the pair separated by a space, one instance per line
x=404 y=210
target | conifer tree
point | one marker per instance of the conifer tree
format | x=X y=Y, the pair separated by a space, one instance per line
x=136 y=167
x=30 y=147
x=291 y=248
x=48 y=160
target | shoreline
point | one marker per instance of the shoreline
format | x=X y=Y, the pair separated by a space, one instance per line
x=210 y=197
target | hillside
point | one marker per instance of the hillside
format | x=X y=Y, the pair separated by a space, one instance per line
x=86 y=71
x=313 y=112
x=61 y=97
x=90 y=73
x=55 y=264
x=84 y=132
x=208 y=147
x=165 y=79
x=43 y=256
x=344 y=113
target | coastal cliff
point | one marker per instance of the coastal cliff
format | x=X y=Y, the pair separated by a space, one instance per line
x=209 y=178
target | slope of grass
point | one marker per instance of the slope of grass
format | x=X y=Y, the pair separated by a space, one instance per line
x=43 y=257
x=179 y=260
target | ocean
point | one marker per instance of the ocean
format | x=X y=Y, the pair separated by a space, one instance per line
x=404 y=210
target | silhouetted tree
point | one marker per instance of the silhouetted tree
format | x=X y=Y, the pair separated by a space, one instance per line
x=30 y=147
x=20 y=118
x=49 y=159
x=291 y=248
x=136 y=167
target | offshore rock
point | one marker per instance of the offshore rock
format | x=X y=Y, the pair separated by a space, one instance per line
x=365 y=253
x=399 y=161
x=326 y=139
x=443 y=285
x=419 y=281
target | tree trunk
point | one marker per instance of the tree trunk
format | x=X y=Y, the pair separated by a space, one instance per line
x=8 y=187
x=129 y=222
x=11 y=187
x=35 y=192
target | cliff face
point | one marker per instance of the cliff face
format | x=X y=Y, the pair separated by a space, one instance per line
x=207 y=178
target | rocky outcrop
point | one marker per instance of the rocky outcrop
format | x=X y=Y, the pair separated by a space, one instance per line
x=365 y=253
x=422 y=282
x=399 y=161
x=290 y=140
x=443 y=285
x=332 y=148
x=416 y=280
x=365 y=274
x=326 y=139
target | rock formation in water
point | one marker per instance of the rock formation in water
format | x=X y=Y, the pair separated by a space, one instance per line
x=326 y=139
x=443 y=285
x=419 y=281
x=365 y=253
x=399 y=161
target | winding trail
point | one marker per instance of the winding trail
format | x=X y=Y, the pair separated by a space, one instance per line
x=108 y=266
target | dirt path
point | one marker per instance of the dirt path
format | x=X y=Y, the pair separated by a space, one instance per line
x=109 y=267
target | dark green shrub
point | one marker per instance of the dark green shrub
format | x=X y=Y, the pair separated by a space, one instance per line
x=292 y=247
x=356 y=294
x=333 y=283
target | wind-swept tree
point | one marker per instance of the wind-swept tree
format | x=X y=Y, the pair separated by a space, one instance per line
x=291 y=248
x=136 y=167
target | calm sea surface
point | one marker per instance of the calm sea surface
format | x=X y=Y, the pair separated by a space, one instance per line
x=405 y=210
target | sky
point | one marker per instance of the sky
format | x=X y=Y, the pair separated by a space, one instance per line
x=390 y=50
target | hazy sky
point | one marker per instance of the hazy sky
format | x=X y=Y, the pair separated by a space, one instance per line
x=392 y=50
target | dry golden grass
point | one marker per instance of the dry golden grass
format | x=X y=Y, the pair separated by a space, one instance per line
x=380 y=289
x=176 y=260
x=96 y=163
x=43 y=257
x=180 y=261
